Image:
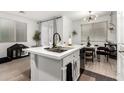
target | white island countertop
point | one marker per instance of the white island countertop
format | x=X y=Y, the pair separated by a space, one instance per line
x=54 y=55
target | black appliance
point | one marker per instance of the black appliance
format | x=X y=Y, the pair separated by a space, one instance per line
x=69 y=72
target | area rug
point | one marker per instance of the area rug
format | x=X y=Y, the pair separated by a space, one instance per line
x=91 y=76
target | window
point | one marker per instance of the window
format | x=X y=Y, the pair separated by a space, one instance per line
x=21 y=32
x=7 y=30
x=12 y=31
x=96 y=31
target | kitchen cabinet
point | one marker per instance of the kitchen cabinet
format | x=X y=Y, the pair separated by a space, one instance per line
x=52 y=66
x=75 y=60
x=34 y=71
x=76 y=69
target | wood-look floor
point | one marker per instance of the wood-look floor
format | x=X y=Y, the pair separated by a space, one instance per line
x=84 y=77
x=18 y=70
x=103 y=67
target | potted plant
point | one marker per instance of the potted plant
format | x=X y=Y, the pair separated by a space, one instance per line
x=74 y=33
x=37 y=38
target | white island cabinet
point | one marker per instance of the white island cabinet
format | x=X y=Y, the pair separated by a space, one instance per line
x=52 y=66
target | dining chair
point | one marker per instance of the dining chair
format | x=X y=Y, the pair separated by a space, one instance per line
x=102 y=51
x=89 y=53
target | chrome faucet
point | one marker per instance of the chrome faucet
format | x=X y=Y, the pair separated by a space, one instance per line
x=54 y=42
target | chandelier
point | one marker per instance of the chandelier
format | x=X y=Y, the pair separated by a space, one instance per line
x=90 y=18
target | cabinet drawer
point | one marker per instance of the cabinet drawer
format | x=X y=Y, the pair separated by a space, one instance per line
x=67 y=59
x=76 y=54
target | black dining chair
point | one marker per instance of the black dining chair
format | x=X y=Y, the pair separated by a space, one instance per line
x=89 y=53
x=102 y=51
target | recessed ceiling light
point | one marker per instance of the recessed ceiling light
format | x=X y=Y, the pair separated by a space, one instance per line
x=22 y=12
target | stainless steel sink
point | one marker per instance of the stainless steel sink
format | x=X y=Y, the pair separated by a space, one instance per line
x=58 y=49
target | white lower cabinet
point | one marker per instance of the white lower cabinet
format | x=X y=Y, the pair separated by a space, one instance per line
x=34 y=69
x=47 y=69
x=75 y=60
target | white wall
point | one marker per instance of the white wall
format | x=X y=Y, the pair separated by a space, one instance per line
x=120 y=41
x=67 y=29
x=120 y=27
x=77 y=27
x=31 y=27
x=112 y=35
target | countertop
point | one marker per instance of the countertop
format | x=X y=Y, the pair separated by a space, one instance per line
x=54 y=55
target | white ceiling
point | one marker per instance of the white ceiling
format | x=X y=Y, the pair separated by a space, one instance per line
x=42 y=15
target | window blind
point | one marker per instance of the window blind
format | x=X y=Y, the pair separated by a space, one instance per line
x=96 y=31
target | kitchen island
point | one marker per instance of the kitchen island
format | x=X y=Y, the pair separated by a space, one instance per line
x=53 y=66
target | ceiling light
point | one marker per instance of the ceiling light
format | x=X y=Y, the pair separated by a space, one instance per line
x=22 y=12
x=90 y=18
